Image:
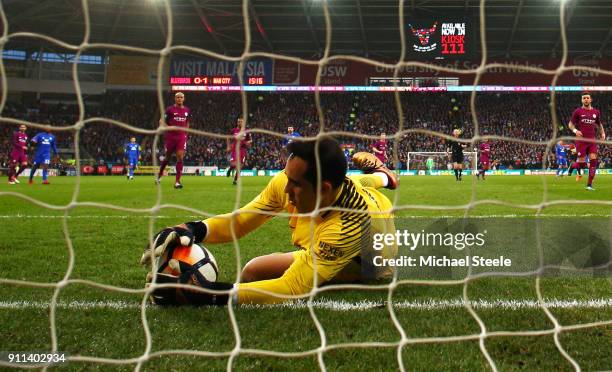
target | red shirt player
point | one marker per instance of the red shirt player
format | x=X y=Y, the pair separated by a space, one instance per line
x=175 y=142
x=19 y=158
x=585 y=123
x=484 y=151
x=380 y=148
x=238 y=149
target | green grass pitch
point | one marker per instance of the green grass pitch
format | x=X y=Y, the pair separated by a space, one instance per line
x=95 y=322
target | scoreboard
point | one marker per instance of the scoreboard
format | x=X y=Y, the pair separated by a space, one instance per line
x=216 y=80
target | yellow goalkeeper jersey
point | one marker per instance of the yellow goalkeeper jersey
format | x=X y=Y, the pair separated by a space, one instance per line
x=337 y=239
x=271 y=201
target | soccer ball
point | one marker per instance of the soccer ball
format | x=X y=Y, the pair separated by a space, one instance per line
x=195 y=261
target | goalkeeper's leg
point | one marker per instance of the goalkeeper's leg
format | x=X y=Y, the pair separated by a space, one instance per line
x=373 y=167
x=370 y=180
x=274 y=265
x=266 y=267
x=296 y=280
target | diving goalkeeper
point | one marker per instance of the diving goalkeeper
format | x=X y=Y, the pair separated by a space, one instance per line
x=335 y=244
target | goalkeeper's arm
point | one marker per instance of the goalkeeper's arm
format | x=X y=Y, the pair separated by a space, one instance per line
x=219 y=229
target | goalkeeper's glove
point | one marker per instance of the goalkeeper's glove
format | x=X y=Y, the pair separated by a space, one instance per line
x=173 y=296
x=172 y=237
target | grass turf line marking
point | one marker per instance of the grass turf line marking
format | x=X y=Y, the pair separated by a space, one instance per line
x=431 y=304
x=9 y=216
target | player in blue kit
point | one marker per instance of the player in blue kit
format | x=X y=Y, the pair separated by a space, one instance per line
x=287 y=139
x=132 y=154
x=561 y=153
x=291 y=134
x=45 y=142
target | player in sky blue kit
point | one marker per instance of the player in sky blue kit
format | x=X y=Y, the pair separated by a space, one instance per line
x=45 y=142
x=132 y=154
x=561 y=152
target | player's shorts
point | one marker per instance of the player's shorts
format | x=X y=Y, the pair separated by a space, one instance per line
x=19 y=156
x=484 y=163
x=242 y=157
x=562 y=162
x=42 y=159
x=584 y=148
x=381 y=158
x=457 y=158
x=173 y=143
x=133 y=162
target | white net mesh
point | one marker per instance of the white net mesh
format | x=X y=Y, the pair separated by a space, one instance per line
x=404 y=128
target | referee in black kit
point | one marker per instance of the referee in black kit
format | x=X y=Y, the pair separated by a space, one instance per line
x=455 y=152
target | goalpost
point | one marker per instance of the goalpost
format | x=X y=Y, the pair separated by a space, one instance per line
x=416 y=160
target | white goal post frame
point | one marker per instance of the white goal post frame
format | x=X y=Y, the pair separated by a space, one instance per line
x=474 y=155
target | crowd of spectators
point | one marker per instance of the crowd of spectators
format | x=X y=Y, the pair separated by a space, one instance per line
x=516 y=116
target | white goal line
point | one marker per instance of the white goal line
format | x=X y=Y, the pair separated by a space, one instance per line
x=125 y=217
x=340 y=305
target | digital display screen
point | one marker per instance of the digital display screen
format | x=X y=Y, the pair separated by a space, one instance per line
x=215 y=80
x=365 y=88
x=439 y=38
x=452 y=39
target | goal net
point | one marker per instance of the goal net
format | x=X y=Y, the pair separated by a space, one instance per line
x=244 y=336
x=439 y=161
